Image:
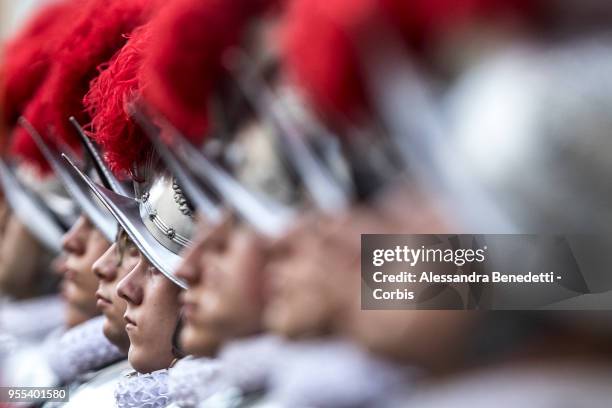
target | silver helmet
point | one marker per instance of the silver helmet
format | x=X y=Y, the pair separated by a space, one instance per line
x=31 y=209
x=158 y=218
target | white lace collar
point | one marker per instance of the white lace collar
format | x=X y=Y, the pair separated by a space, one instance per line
x=193 y=380
x=247 y=363
x=242 y=364
x=82 y=349
x=143 y=390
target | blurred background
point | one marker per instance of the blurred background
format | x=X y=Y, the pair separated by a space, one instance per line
x=450 y=117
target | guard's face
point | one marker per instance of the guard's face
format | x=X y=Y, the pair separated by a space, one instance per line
x=225 y=298
x=197 y=337
x=151 y=317
x=299 y=301
x=430 y=338
x=314 y=273
x=113 y=266
x=83 y=244
x=23 y=260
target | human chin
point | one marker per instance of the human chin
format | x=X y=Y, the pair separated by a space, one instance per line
x=74 y=316
x=80 y=299
x=114 y=331
x=139 y=358
x=280 y=318
x=139 y=353
x=298 y=316
x=198 y=341
x=148 y=353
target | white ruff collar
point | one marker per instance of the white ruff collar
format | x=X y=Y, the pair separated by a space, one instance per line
x=243 y=364
x=193 y=380
x=81 y=349
x=143 y=390
x=247 y=363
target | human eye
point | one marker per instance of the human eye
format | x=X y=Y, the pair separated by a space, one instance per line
x=153 y=271
x=132 y=249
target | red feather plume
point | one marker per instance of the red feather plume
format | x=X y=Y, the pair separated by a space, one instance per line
x=321 y=40
x=27 y=57
x=106 y=102
x=92 y=38
x=183 y=64
x=318 y=51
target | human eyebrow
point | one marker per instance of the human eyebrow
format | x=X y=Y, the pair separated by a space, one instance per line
x=123 y=244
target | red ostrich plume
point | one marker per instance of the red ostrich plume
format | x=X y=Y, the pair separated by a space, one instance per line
x=321 y=40
x=183 y=64
x=27 y=57
x=318 y=51
x=92 y=38
x=174 y=61
x=106 y=103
